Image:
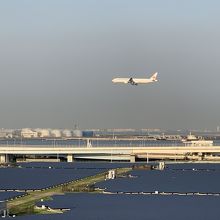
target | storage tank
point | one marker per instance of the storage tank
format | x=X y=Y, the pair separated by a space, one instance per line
x=55 y=133
x=77 y=133
x=67 y=133
x=43 y=133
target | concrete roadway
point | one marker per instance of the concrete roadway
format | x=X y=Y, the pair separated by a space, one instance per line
x=49 y=149
x=111 y=153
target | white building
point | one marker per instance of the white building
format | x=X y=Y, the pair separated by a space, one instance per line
x=28 y=133
x=111 y=175
x=43 y=133
x=55 y=133
x=77 y=133
x=6 y=133
x=67 y=133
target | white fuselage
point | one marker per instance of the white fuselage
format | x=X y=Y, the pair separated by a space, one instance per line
x=135 y=80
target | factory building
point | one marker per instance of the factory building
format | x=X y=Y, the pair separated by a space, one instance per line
x=67 y=133
x=28 y=133
x=77 y=133
x=55 y=133
x=87 y=133
x=43 y=133
x=6 y=133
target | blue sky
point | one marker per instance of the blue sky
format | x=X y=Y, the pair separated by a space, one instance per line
x=57 y=60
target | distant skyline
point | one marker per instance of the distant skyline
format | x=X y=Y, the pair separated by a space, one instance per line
x=58 y=58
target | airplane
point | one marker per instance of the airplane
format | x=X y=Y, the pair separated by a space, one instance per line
x=136 y=81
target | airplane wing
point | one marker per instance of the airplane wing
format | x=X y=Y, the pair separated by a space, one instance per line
x=125 y=81
x=132 y=82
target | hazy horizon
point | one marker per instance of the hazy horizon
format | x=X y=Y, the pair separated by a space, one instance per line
x=58 y=58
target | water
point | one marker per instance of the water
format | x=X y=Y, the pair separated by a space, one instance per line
x=41 y=175
x=166 y=181
x=126 y=207
x=176 y=178
x=6 y=195
x=76 y=165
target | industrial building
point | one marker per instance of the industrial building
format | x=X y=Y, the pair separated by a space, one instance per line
x=55 y=133
x=28 y=133
x=43 y=133
x=67 y=133
x=6 y=133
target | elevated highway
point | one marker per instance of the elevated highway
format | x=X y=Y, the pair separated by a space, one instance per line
x=110 y=153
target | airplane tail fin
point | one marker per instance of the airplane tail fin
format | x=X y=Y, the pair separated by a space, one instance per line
x=154 y=77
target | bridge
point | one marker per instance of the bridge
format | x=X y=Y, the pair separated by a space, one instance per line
x=128 y=153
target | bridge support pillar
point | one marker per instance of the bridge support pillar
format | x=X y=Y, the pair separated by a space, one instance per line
x=69 y=158
x=4 y=158
x=132 y=158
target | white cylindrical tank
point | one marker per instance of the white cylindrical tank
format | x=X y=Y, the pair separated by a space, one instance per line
x=55 y=133
x=43 y=133
x=77 y=133
x=67 y=133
